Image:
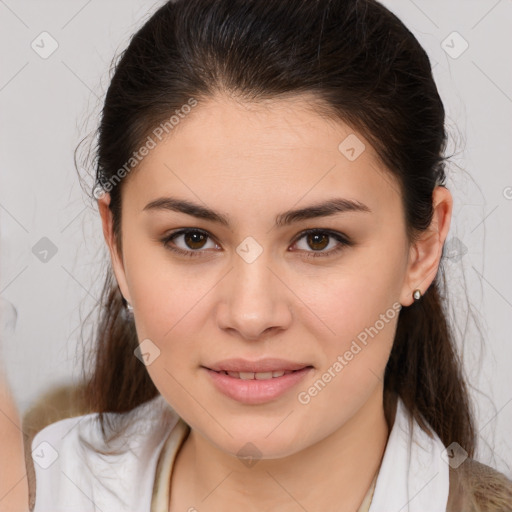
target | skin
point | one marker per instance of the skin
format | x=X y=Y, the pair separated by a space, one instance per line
x=251 y=162
x=13 y=475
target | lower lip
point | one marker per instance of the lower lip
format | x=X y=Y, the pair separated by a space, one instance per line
x=256 y=391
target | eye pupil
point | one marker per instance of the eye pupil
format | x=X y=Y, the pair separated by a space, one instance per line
x=318 y=239
x=195 y=237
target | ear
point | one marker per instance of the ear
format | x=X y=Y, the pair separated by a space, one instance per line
x=108 y=233
x=425 y=253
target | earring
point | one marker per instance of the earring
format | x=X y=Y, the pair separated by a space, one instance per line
x=129 y=307
x=416 y=295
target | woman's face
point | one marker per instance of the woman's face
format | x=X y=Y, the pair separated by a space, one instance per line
x=253 y=288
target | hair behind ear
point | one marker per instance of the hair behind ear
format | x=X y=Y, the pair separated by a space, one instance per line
x=120 y=381
x=426 y=372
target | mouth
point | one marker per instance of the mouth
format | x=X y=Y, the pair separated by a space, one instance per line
x=258 y=375
x=252 y=388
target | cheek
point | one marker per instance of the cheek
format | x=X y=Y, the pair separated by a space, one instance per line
x=357 y=349
x=352 y=361
x=170 y=313
x=342 y=303
x=165 y=294
x=355 y=310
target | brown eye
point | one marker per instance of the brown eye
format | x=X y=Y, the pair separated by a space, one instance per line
x=313 y=242
x=195 y=239
x=318 y=241
x=189 y=242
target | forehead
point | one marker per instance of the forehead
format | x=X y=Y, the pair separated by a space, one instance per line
x=279 y=147
x=229 y=128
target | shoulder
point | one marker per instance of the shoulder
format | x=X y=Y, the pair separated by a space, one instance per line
x=79 y=467
x=477 y=487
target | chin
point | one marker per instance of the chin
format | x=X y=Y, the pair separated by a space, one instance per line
x=257 y=443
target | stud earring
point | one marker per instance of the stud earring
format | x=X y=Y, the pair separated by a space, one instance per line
x=416 y=295
x=129 y=307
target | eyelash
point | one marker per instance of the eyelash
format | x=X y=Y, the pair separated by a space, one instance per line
x=343 y=242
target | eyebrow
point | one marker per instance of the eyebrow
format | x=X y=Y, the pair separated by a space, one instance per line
x=323 y=209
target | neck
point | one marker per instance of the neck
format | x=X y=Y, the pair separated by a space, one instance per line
x=333 y=474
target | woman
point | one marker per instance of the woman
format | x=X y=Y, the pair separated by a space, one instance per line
x=271 y=191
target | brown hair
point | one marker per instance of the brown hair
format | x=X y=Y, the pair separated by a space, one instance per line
x=369 y=71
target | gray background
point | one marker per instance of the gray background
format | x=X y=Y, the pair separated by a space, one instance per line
x=49 y=104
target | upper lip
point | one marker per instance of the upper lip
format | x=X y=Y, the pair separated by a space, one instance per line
x=260 y=366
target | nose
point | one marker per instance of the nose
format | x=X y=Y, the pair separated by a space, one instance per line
x=254 y=301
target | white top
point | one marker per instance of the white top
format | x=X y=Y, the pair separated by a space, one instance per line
x=77 y=472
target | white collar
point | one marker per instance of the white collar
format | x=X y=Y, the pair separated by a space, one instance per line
x=413 y=476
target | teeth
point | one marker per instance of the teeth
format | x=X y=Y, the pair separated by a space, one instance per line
x=263 y=375
x=258 y=375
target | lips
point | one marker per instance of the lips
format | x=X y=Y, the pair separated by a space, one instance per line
x=261 y=387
